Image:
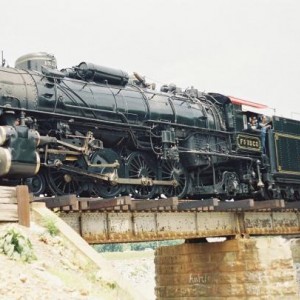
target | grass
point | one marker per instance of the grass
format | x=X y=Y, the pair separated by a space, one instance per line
x=50 y=225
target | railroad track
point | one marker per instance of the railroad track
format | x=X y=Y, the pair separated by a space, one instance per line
x=69 y=203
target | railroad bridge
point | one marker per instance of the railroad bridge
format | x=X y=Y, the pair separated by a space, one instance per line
x=127 y=220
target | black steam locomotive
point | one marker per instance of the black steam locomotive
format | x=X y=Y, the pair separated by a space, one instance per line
x=96 y=131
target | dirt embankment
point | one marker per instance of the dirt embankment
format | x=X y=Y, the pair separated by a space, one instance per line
x=56 y=273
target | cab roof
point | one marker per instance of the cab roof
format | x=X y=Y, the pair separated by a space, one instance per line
x=239 y=101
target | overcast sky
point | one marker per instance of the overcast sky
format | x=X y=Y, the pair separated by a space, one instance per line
x=244 y=48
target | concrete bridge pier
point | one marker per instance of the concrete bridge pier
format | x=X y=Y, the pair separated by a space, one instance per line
x=244 y=268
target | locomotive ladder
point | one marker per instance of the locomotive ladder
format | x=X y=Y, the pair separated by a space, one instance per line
x=124 y=219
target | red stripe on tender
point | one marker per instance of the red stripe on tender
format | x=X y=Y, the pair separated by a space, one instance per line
x=235 y=100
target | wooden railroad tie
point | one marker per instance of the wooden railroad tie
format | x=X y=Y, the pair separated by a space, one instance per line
x=200 y=205
x=118 y=203
x=294 y=205
x=160 y=204
x=66 y=201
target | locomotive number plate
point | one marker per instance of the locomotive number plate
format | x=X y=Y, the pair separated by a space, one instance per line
x=248 y=142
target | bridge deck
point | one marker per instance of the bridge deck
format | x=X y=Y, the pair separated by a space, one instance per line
x=113 y=227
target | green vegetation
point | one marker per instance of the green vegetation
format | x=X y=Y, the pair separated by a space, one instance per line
x=111 y=285
x=49 y=224
x=16 y=246
x=135 y=246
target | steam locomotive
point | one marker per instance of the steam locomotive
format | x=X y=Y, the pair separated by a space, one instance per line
x=96 y=131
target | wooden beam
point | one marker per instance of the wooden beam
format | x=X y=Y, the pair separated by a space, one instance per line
x=292 y=205
x=7 y=191
x=109 y=203
x=8 y=200
x=269 y=204
x=151 y=204
x=83 y=204
x=58 y=201
x=209 y=204
x=9 y=214
x=245 y=204
x=23 y=205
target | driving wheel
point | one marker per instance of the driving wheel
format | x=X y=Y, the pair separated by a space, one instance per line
x=141 y=166
x=173 y=170
x=103 y=188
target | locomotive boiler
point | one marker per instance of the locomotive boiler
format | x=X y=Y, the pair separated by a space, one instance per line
x=96 y=131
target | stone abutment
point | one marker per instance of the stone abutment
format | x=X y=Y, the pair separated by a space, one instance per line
x=246 y=268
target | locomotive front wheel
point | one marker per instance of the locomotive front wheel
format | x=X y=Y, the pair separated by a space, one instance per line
x=37 y=184
x=171 y=170
x=141 y=166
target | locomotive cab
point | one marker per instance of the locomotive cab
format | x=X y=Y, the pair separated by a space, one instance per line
x=252 y=135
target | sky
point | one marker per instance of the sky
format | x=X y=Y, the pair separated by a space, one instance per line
x=249 y=49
